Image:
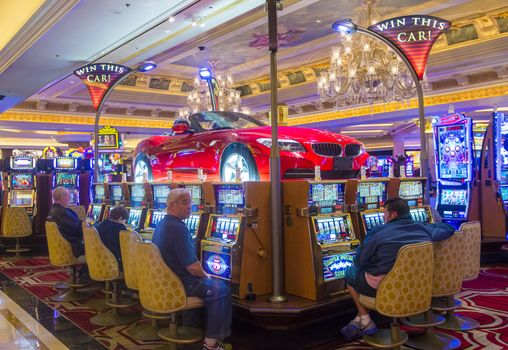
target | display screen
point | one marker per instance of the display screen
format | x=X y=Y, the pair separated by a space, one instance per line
x=22 y=181
x=20 y=163
x=411 y=189
x=116 y=193
x=419 y=215
x=192 y=223
x=195 y=192
x=137 y=195
x=95 y=213
x=372 y=220
x=504 y=193
x=66 y=179
x=453 y=152
x=155 y=217
x=134 y=217
x=160 y=193
x=371 y=195
x=454 y=197
x=229 y=198
x=224 y=228
x=334 y=266
x=22 y=199
x=327 y=196
x=331 y=230
x=65 y=163
x=99 y=193
x=217 y=264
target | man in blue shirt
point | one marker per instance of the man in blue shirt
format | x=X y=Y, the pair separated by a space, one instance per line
x=109 y=231
x=376 y=256
x=177 y=249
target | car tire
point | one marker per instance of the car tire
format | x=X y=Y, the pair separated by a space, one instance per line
x=142 y=165
x=239 y=154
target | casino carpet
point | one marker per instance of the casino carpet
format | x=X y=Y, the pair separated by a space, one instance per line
x=485 y=299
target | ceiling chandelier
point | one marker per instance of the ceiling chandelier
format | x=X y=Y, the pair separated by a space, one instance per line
x=364 y=70
x=228 y=98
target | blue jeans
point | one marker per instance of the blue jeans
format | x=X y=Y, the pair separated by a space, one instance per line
x=218 y=306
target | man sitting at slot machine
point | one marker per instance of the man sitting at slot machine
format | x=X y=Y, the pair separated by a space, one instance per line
x=376 y=256
x=67 y=220
x=177 y=249
x=109 y=231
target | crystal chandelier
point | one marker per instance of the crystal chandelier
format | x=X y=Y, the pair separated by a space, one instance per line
x=228 y=98
x=364 y=70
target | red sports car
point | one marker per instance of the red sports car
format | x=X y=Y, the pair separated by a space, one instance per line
x=222 y=142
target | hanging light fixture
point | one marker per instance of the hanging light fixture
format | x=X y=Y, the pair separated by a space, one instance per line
x=364 y=70
x=227 y=97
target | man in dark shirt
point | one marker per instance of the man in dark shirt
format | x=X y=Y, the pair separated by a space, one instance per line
x=109 y=231
x=177 y=249
x=67 y=220
x=376 y=256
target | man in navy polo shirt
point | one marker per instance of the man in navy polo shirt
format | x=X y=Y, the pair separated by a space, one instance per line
x=177 y=249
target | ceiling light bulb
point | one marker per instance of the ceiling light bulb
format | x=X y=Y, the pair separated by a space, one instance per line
x=171 y=19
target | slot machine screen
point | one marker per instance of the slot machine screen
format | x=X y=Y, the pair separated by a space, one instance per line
x=454 y=197
x=419 y=215
x=334 y=266
x=66 y=179
x=95 y=213
x=137 y=195
x=229 y=198
x=65 y=163
x=160 y=193
x=331 y=230
x=22 y=163
x=155 y=217
x=22 y=199
x=328 y=197
x=504 y=193
x=134 y=217
x=411 y=191
x=371 y=195
x=116 y=193
x=224 y=228
x=217 y=264
x=453 y=152
x=99 y=193
x=195 y=192
x=372 y=220
x=192 y=223
x=22 y=181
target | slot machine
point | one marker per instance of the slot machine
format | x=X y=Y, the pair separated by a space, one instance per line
x=319 y=237
x=197 y=221
x=412 y=190
x=137 y=208
x=118 y=193
x=237 y=242
x=96 y=208
x=157 y=211
x=454 y=158
x=22 y=183
x=66 y=175
x=494 y=179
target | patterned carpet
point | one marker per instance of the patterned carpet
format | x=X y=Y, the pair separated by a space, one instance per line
x=484 y=299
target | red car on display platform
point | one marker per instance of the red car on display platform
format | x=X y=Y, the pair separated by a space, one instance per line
x=221 y=142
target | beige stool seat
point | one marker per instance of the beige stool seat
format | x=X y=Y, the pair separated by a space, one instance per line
x=103 y=267
x=162 y=292
x=404 y=291
x=16 y=224
x=79 y=210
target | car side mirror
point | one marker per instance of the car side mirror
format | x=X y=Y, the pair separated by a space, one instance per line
x=181 y=129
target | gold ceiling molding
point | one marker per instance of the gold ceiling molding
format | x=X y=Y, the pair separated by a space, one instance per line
x=469 y=95
x=85 y=120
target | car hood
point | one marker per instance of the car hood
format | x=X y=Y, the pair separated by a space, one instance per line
x=302 y=135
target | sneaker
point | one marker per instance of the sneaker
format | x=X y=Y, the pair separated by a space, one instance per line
x=218 y=346
x=353 y=330
x=369 y=329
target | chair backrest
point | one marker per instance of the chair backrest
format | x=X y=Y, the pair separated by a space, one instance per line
x=472 y=245
x=16 y=222
x=160 y=289
x=128 y=241
x=60 y=250
x=448 y=267
x=101 y=262
x=80 y=210
x=406 y=289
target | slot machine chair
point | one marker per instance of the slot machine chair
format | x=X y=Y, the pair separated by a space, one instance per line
x=16 y=224
x=141 y=330
x=60 y=254
x=103 y=267
x=412 y=269
x=162 y=293
x=471 y=265
x=446 y=281
x=79 y=210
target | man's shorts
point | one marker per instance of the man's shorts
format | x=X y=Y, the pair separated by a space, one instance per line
x=356 y=279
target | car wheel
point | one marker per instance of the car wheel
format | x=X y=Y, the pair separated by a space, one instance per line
x=141 y=167
x=238 y=156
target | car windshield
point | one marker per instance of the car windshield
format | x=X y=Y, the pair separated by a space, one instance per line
x=208 y=121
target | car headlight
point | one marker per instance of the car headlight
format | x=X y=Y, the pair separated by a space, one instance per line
x=284 y=145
